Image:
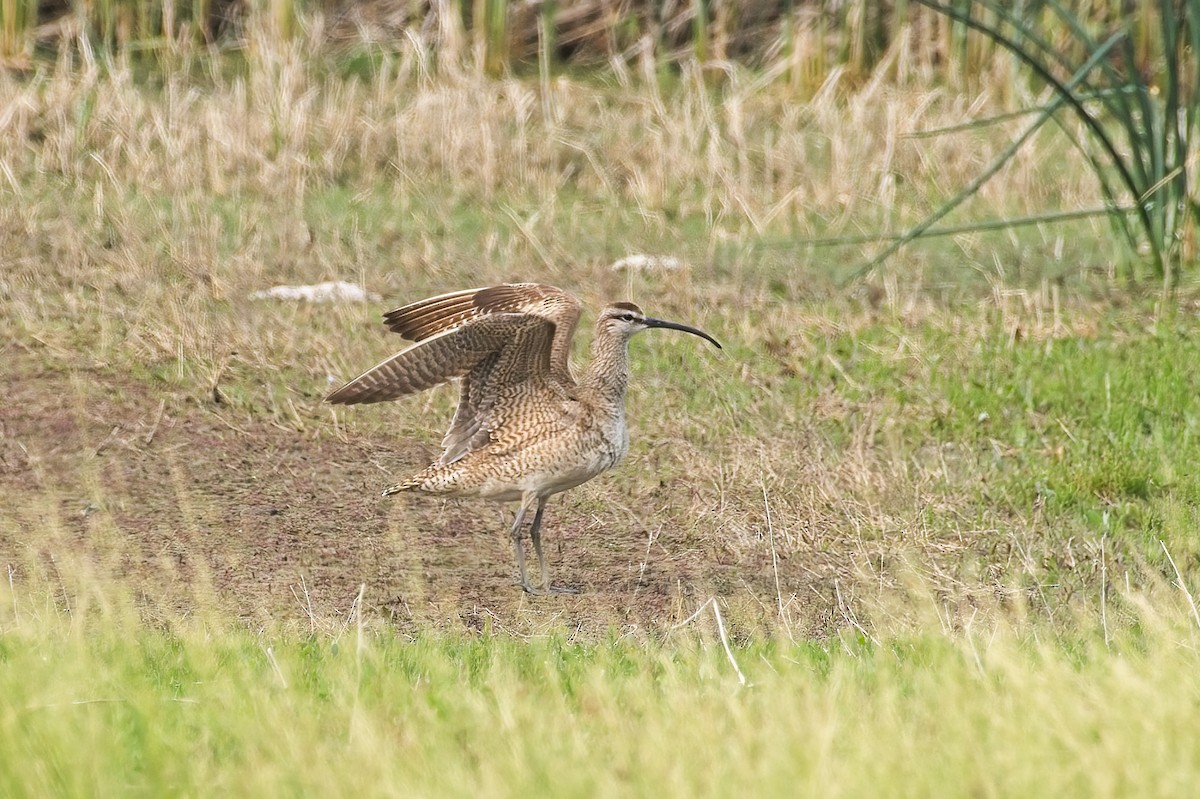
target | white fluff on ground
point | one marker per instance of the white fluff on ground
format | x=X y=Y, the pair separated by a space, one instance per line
x=333 y=291
x=644 y=262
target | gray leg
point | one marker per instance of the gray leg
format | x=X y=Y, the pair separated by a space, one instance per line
x=535 y=532
x=516 y=536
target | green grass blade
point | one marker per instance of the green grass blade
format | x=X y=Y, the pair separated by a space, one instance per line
x=984 y=226
x=1065 y=96
x=1026 y=32
x=1096 y=127
x=1192 y=103
x=996 y=119
x=1118 y=106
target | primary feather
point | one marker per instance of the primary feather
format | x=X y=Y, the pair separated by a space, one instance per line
x=502 y=342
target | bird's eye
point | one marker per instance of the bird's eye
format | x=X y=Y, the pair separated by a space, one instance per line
x=627 y=317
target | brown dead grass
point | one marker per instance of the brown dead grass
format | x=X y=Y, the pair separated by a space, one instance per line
x=745 y=154
x=162 y=428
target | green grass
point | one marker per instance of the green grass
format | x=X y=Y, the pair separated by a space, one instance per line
x=97 y=705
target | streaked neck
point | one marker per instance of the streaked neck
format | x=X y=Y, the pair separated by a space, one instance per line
x=608 y=372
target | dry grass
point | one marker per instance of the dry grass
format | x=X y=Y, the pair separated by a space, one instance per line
x=745 y=155
x=180 y=180
x=143 y=217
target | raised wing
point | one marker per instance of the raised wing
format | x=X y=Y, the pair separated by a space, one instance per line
x=497 y=348
x=508 y=344
x=424 y=319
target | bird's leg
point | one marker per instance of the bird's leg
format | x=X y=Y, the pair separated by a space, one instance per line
x=526 y=502
x=535 y=532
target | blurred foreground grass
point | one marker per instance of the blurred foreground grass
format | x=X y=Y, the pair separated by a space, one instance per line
x=97 y=704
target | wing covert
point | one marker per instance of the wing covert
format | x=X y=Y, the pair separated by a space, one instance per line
x=422 y=320
x=519 y=342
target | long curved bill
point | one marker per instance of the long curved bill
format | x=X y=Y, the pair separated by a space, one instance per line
x=695 y=331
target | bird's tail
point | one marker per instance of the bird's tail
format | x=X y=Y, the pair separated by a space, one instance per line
x=396 y=488
x=419 y=481
x=431 y=480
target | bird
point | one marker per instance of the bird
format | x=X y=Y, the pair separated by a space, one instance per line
x=525 y=428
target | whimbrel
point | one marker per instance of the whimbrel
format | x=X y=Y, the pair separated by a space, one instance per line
x=524 y=428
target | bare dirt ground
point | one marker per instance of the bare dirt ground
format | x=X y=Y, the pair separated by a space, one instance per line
x=188 y=504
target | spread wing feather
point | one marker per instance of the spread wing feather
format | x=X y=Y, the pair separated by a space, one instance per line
x=427 y=318
x=420 y=320
x=443 y=357
x=508 y=345
x=498 y=387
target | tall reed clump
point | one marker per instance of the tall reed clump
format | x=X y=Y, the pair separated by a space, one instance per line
x=17 y=20
x=1133 y=81
x=813 y=37
x=128 y=26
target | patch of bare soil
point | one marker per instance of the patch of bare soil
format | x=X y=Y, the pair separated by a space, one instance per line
x=188 y=503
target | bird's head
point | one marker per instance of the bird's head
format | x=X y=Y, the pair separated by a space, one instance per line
x=624 y=319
